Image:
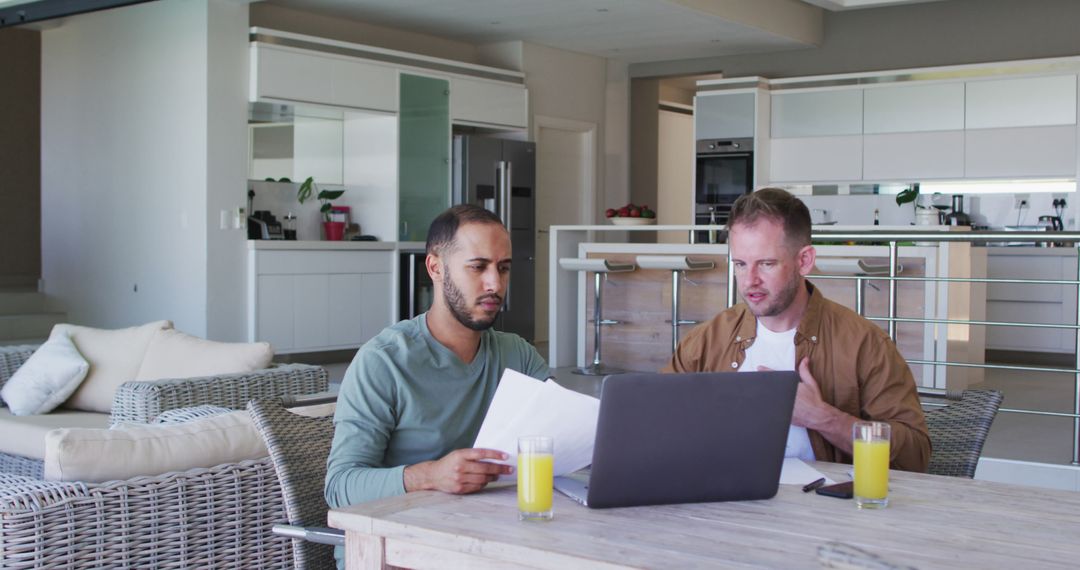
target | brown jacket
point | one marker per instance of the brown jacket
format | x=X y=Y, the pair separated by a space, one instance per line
x=855 y=363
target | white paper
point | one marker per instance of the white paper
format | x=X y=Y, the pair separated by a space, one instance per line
x=795 y=472
x=523 y=406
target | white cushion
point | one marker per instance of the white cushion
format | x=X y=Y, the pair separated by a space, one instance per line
x=46 y=379
x=98 y=455
x=173 y=354
x=114 y=357
x=25 y=435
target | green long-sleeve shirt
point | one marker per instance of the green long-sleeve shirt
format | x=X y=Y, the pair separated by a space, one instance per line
x=406 y=398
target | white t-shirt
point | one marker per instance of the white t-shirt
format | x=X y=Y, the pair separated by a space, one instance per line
x=776 y=350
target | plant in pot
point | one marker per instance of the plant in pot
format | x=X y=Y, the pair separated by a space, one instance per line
x=335 y=231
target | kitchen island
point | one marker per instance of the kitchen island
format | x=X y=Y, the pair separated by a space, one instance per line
x=641 y=300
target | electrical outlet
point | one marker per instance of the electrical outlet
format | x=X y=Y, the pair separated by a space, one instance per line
x=1021 y=200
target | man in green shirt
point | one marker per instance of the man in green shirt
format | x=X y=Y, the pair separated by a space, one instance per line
x=413 y=399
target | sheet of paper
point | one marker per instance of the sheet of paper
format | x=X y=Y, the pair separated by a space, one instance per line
x=544 y=408
x=796 y=472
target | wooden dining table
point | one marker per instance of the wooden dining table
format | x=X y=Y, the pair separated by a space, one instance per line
x=931 y=522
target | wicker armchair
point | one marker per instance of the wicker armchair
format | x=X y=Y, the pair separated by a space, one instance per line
x=958 y=431
x=141 y=402
x=299 y=446
x=203 y=518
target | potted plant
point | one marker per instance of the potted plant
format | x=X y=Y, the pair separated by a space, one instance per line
x=335 y=231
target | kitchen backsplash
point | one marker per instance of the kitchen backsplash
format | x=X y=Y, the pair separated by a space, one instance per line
x=369 y=208
x=993 y=210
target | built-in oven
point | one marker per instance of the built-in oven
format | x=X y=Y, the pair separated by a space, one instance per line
x=725 y=171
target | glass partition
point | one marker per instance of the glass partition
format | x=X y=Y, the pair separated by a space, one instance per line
x=424 y=154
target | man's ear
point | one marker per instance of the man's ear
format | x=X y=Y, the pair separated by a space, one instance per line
x=434 y=267
x=806 y=258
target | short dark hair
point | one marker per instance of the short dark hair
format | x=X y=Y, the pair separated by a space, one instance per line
x=440 y=237
x=777 y=205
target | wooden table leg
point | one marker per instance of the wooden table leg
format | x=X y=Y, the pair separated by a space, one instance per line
x=364 y=551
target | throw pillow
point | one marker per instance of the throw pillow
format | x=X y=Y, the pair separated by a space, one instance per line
x=173 y=354
x=98 y=455
x=46 y=379
x=114 y=357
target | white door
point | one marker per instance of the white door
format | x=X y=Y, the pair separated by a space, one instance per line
x=566 y=183
x=675 y=174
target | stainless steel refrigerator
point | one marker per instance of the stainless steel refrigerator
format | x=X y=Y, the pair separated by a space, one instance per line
x=500 y=175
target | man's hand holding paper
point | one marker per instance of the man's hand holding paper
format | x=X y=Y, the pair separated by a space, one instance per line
x=522 y=406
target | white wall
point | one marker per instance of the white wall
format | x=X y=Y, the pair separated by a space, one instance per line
x=616 y=136
x=568 y=85
x=296 y=21
x=226 y=168
x=124 y=168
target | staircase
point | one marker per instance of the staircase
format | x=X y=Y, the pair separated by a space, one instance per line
x=26 y=316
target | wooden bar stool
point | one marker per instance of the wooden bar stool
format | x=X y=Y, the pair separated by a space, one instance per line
x=676 y=264
x=599 y=267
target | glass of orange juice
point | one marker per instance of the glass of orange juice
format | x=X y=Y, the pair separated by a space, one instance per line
x=535 y=475
x=870 y=442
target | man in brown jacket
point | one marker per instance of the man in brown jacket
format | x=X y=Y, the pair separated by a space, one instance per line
x=850 y=369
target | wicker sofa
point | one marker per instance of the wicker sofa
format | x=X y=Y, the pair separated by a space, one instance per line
x=141 y=402
x=217 y=517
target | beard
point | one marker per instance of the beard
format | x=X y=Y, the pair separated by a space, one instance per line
x=455 y=301
x=782 y=299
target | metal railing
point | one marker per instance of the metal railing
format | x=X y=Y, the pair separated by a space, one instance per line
x=893 y=239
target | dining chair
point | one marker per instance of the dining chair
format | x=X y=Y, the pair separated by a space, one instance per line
x=299 y=446
x=958 y=431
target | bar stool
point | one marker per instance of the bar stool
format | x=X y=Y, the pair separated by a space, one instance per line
x=676 y=264
x=599 y=267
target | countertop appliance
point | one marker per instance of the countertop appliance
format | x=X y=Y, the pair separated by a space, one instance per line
x=263 y=225
x=500 y=175
x=725 y=171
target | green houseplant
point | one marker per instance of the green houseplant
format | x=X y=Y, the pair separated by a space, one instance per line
x=335 y=231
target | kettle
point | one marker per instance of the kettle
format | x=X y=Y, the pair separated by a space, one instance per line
x=1051 y=223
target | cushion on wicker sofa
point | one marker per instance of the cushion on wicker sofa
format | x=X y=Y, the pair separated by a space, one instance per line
x=46 y=379
x=130 y=450
x=114 y=357
x=25 y=435
x=173 y=354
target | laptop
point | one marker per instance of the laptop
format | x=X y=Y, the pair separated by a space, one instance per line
x=687 y=438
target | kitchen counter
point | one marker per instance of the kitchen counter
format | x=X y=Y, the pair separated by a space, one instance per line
x=283 y=245
x=640 y=300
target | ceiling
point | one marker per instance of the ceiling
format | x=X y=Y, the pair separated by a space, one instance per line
x=633 y=31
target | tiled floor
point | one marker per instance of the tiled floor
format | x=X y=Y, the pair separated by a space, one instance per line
x=1028 y=437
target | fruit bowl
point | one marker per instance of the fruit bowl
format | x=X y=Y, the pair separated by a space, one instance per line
x=620 y=221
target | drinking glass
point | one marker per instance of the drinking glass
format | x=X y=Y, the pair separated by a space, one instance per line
x=870 y=443
x=535 y=475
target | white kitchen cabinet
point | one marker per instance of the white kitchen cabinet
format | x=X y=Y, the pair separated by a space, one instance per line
x=364 y=85
x=290 y=74
x=913 y=108
x=1020 y=152
x=1021 y=102
x=311 y=300
x=913 y=156
x=724 y=116
x=816 y=159
x=1054 y=304
x=817 y=113
x=488 y=102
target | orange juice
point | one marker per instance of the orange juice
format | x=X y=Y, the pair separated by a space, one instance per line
x=535 y=481
x=872 y=469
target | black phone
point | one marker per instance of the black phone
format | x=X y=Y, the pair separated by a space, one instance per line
x=839 y=490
